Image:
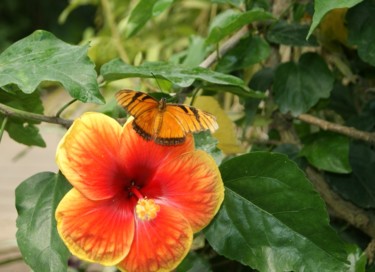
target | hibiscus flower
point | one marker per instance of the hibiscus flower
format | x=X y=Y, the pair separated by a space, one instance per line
x=134 y=204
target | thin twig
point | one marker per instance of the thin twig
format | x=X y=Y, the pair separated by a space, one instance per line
x=114 y=30
x=347 y=131
x=12 y=112
x=228 y=44
x=341 y=208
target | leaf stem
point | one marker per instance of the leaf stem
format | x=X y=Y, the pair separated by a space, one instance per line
x=347 y=131
x=12 y=112
x=64 y=107
x=5 y=121
x=114 y=30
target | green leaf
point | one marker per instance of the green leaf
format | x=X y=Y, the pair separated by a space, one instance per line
x=247 y=52
x=299 y=86
x=194 y=262
x=143 y=12
x=206 y=142
x=342 y=100
x=42 y=57
x=229 y=21
x=36 y=200
x=196 y=52
x=290 y=34
x=177 y=74
x=361 y=24
x=272 y=219
x=24 y=132
x=322 y=7
x=328 y=151
x=359 y=186
x=161 y=6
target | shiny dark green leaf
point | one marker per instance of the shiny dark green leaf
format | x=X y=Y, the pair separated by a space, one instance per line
x=194 y=262
x=36 y=200
x=248 y=51
x=299 y=86
x=290 y=34
x=342 y=101
x=328 y=151
x=179 y=75
x=272 y=219
x=359 y=186
x=361 y=25
x=42 y=57
x=322 y=7
x=229 y=21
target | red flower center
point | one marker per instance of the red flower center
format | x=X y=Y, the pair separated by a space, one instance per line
x=134 y=190
x=145 y=209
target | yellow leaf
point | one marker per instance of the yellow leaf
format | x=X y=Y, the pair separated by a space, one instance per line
x=226 y=136
x=333 y=29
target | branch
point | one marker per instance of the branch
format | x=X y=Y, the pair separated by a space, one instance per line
x=12 y=112
x=347 y=131
x=228 y=44
x=341 y=208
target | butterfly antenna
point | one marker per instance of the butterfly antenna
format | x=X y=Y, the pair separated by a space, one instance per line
x=195 y=93
x=157 y=82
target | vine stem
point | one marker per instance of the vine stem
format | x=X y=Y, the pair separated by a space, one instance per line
x=12 y=112
x=65 y=106
x=4 y=123
x=344 y=130
x=114 y=30
x=228 y=44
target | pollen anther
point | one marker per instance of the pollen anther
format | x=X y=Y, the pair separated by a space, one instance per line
x=146 y=209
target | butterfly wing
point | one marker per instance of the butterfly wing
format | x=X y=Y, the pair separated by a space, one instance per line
x=178 y=120
x=136 y=103
x=143 y=108
x=170 y=131
x=166 y=124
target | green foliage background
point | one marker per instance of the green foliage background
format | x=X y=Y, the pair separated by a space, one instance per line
x=295 y=82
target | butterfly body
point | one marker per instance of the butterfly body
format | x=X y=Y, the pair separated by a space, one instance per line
x=162 y=122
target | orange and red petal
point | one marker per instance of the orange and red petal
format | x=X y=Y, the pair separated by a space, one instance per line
x=192 y=184
x=88 y=155
x=159 y=244
x=141 y=158
x=97 y=231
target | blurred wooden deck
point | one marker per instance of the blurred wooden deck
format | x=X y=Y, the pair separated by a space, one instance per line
x=17 y=163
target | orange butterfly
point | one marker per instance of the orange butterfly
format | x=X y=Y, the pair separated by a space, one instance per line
x=164 y=123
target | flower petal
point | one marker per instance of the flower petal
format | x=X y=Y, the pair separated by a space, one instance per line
x=88 y=155
x=159 y=244
x=141 y=158
x=192 y=183
x=97 y=231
